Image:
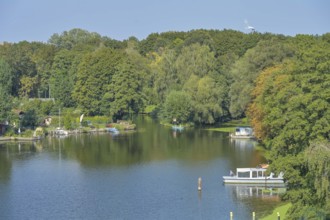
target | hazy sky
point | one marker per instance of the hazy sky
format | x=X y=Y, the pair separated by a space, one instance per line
x=37 y=20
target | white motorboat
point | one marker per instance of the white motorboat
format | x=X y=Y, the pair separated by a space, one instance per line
x=61 y=132
x=242 y=133
x=253 y=176
x=113 y=130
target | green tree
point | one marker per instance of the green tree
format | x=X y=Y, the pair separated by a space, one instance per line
x=178 y=105
x=5 y=90
x=75 y=38
x=166 y=77
x=19 y=57
x=94 y=75
x=6 y=80
x=207 y=97
x=43 y=57
x=318 y=157
x=195 y=59
x=201 y=37
x=30 y=119
x=5 y=105
x=68 y=122
x=245 y=71
x=156 y=42
x=125 y=90
x=291 y=105
x=63 y=77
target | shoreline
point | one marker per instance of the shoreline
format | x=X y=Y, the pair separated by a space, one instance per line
x=52 y=134
x=19 y=139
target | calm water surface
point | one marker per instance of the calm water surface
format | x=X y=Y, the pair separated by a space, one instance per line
x=148 y=174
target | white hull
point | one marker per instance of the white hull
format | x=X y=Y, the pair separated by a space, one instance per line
x=253 y=176
x=262 y=180
x=61 y=132
x=177 y=128
x=113 y=130
x=241 y=136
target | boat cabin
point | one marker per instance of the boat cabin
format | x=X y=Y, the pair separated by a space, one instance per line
x=250 y=172
x=253 y=175
x=243 y=131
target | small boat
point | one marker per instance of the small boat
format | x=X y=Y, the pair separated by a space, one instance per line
x=242 y=133
x=61 y=132
x=253 y=176
x=113 y=130
x=177 y=128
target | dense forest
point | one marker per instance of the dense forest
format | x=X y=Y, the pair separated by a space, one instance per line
x=205 y=77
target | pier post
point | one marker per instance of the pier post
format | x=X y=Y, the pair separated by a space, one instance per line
x=253 y=215
x=278 y=216
x=231 y=215
x=199 y=183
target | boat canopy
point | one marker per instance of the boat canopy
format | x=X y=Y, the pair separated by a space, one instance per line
x=250 y=172
x=250 y=169
x=245 y=131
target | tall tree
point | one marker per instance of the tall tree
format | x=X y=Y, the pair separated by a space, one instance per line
x=125 y=90
x=75 y=38
x=178 y=106
x=6 y=77
x=43 y=57
x=207 y=97
x=63 y=76
x=291 y=105
x=245 y=71
x=166 y=78
x=195 y=59
x=5 y=90
x=94 y=75
x=19 y=57
x=318 y=157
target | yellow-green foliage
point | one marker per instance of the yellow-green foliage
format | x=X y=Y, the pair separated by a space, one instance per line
x=281 y=210
x=39 y=131
x=97 y=119
x=149 y=109
x=231 y=125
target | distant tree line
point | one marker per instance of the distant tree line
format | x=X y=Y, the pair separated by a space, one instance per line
x=281 y=83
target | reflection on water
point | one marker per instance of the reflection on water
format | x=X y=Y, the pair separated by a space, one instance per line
x=243 y=143
x=261 y=199
x=147 y=174
x=243 y=191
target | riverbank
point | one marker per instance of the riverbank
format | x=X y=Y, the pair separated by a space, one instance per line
x=31 y=135
x=19 y=138
x=231 y=125
x=281 y=210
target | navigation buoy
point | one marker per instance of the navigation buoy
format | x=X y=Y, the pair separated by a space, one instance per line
x=199 y=183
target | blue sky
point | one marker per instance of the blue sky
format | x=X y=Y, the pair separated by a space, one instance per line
x=37 y=20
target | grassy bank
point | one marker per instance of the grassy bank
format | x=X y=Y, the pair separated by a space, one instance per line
x=282 y=210
x=231 y=125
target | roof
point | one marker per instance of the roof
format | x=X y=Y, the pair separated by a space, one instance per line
x=250 y=169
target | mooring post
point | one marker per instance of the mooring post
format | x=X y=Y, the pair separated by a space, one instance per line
x=199 y=183
x=278 y=216
x=231 y=215
x=253 y=215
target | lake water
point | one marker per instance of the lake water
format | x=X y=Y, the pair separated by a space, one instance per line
x=151 y=173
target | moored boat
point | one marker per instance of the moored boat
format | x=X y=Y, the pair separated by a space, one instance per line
x=61 y=132
x=177 y=127
x=113 y=130
x=242 y=133
x=253 y=176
